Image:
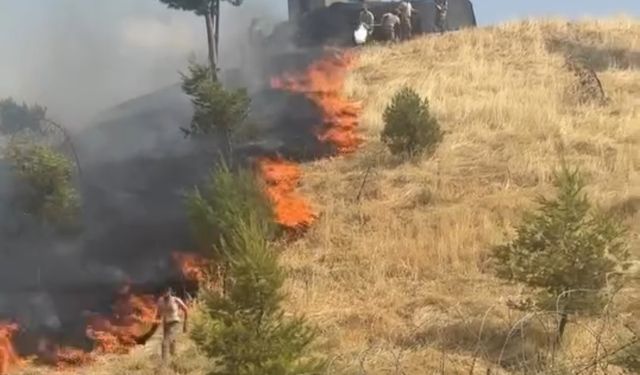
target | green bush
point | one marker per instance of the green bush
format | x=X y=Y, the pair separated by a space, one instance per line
x=409 y=127
x=567 y=250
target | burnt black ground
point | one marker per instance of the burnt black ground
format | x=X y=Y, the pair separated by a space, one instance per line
x=136 y=167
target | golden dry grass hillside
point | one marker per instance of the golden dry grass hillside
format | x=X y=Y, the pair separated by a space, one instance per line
x=397 y=281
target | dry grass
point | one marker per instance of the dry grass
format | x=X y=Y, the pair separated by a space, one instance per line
x=403 y=271
x=398 y=282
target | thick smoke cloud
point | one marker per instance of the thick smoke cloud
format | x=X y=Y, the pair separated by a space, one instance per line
x=136 y=164
x=81 y=57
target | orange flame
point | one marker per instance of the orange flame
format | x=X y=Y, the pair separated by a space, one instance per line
x=282 y=178
x=192 y=266
x=62 y=357
x=8 y=356
x=323 y=83
x=132 y=317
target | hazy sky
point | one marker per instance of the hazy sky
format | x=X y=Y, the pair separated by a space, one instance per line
x=80 y=56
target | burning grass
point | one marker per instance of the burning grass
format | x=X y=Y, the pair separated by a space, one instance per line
x=323 y=83
x=282 y=177
x=131 y=319
x=8 y=357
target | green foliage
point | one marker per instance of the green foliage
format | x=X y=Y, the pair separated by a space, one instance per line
x=409 y=126
x=244 y=329
x=227 y=199
x=46 y=176
x=567 y=250
x=216 y=109
x=15 y=118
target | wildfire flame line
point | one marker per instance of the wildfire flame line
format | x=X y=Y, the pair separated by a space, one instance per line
x=133 y=315
x=322 y=83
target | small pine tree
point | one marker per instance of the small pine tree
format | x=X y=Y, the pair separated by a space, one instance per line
x=245 y=329
x=47 y=190
x=409 y=127
x=216 y=109
x=566 y=250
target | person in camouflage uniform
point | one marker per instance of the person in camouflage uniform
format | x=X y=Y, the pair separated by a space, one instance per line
x=406 y=11
x=389 y=23
x=441 y=15
x=366 y=18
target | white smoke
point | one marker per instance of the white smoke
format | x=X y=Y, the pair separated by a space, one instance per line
x=80 y=57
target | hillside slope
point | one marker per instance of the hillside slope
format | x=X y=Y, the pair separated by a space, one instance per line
x=399 y=276
x=398 y=281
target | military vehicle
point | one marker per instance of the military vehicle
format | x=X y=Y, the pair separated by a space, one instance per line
x=331 y=22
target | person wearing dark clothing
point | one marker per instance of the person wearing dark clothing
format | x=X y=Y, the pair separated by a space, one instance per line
x=441 y=15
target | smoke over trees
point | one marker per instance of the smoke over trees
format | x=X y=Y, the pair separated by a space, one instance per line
x=210 y=9
x=43 y=175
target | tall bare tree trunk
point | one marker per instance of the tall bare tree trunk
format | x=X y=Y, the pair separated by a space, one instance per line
x=217 y=21
x=211 y=43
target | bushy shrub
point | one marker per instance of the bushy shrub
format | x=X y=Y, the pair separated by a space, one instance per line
x=567 y=250
x=409 y=127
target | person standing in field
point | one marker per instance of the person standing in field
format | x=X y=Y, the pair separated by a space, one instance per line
x=406 y=12
x=441 y=15
x=366 y=18
x=389 y=23
x=169 y=307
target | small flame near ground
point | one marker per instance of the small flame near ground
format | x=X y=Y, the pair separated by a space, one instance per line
x=62 y=357
x=192 y=266
x=322 y=83
x=132 y=317
x=8 y=357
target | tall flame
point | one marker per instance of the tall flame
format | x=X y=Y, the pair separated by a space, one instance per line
x=322 y=83
x=8 y=356
x=281 y=178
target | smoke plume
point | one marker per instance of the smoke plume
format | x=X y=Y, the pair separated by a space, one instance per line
x=79 y=58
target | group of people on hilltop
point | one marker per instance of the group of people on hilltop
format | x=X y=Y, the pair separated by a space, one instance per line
x=396 y=25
